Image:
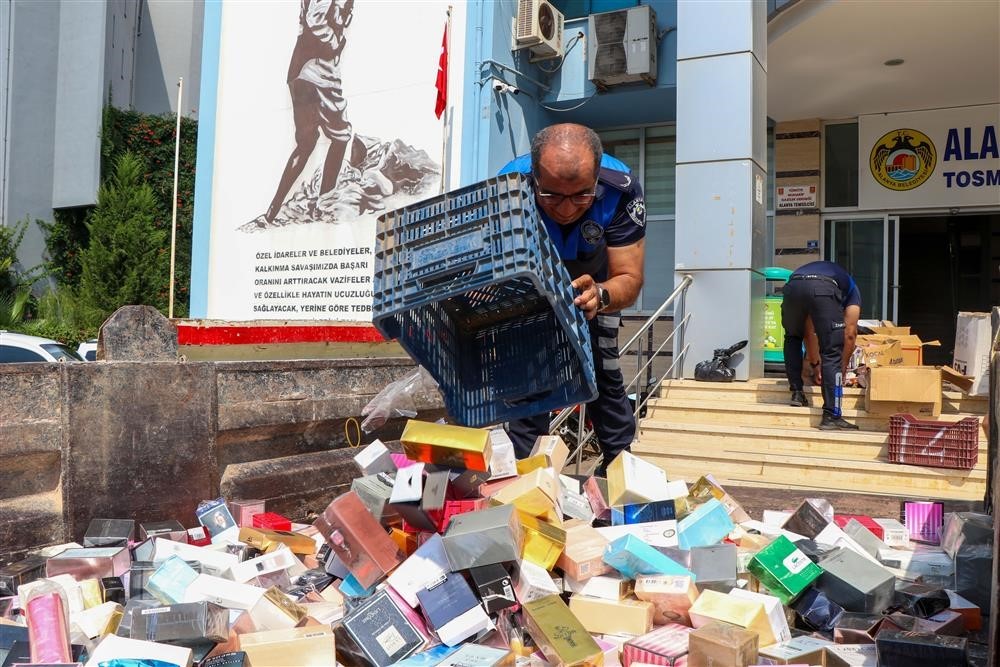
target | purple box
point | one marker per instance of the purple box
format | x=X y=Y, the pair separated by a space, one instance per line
x=924 y=520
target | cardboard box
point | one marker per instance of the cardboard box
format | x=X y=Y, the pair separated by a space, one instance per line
x=553 y=448
x=532 y=582
x=494 y=586
x=382 y=632
x=443 y=444
x=428 y=563
x=374 y=458
x=632 y=480
x=877 y=352
x=774 y=609
x=313 y=646
x=612 y=617
x=973 y=336
x=749 y=614
x=722 y=645
x=182 y=623
x=358 y=539
x=632 y=557
x=607 y=587
x=112 y=647
x=559 y=635
x=800 y=650
x=906 y=384
x=453 y=609
x=855 y=583
x=536 y=493
x=783 y=569
x=671 y=595
x=482 y=538
x=583 y=556
x=90 y=562
x=707 y=525
x=543 y=542
x=853 y=655
x=912 y=649
x=666 y=646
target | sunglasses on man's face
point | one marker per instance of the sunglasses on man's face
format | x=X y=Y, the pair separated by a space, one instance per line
x=556 y=199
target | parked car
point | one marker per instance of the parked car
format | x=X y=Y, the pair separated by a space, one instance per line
x=20 y=348
x=88 y=350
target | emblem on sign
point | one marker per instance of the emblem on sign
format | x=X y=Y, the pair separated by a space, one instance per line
x=902 y=159
x=591 y=232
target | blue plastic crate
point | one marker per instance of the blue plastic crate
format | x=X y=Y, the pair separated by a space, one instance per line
x=471 y=287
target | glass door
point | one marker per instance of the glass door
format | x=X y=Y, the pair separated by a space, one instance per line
x=868 y=249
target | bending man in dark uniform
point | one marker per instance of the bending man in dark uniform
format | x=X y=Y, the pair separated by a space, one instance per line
x=594 y=211
x=827 y=295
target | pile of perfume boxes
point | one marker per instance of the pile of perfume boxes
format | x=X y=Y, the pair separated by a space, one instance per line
x=453 y=553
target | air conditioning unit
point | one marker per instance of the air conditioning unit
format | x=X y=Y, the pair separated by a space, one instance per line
x=622 y=47
x=539 y=28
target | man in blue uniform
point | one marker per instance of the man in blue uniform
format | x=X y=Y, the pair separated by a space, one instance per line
x=826 y=294
x=594 y=211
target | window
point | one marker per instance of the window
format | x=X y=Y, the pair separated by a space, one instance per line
x=652 y=154
x=17 y=355
x=60 y=352
x=840 y=164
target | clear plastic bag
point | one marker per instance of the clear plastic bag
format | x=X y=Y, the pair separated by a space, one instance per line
x=397 y=399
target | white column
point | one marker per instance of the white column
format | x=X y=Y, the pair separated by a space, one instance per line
x=721 y=178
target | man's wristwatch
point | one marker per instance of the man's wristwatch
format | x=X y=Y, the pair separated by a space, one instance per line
x=603 y=298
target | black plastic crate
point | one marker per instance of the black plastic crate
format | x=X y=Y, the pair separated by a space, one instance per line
x=471 y=287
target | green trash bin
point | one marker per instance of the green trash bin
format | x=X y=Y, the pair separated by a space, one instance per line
x=774 y=336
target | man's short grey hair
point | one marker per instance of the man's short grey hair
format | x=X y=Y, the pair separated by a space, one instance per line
x=569 y=133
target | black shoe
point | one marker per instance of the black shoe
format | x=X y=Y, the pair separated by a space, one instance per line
x=799 y=399
x=601 y=470
x=831 y=423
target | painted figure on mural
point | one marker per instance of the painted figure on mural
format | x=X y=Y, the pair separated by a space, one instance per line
x=318 y=103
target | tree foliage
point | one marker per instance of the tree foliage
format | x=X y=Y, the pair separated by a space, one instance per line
x=126 y=260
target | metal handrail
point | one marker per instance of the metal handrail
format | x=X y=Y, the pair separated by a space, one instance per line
x=652 y=319
x=582 y=433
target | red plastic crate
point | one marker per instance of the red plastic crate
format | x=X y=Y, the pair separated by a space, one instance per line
x=934 y=443
x=271 y=521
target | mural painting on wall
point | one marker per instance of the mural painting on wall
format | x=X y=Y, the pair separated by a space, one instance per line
x=376 y=168
x=324 y=120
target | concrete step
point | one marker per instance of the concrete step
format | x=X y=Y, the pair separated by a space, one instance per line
x=755 y=457
x=775 y=391
x=843 y=445
x=30 y=521
x=695 y=411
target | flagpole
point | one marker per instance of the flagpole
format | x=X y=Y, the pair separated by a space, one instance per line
x=444 y=117
x=173 y=222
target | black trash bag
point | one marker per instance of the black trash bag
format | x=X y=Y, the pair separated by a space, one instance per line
x=718 y=370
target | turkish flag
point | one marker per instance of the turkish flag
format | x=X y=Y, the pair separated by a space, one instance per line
x=442 y=77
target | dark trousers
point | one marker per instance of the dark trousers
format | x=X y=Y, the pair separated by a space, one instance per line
x=820 y=299
x=610 y=412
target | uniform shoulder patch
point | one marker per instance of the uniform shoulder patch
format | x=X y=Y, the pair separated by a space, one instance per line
x=636 y=210
x=619 y=180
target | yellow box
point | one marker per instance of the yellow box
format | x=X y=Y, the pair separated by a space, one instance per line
x=671 y=596
x=583 y=556
x=93 y=593
x=535 y=462
x=906 y=384
x=535 y=493
x=706 y=487
x=559 y=634
x=612 y=617
x=553 y=447
x=312 y=646
x=543 y=542
x=748 y=614
x=443 y=444
x=268 y=540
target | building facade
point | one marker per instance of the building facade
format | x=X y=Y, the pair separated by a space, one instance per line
x=60 y=63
